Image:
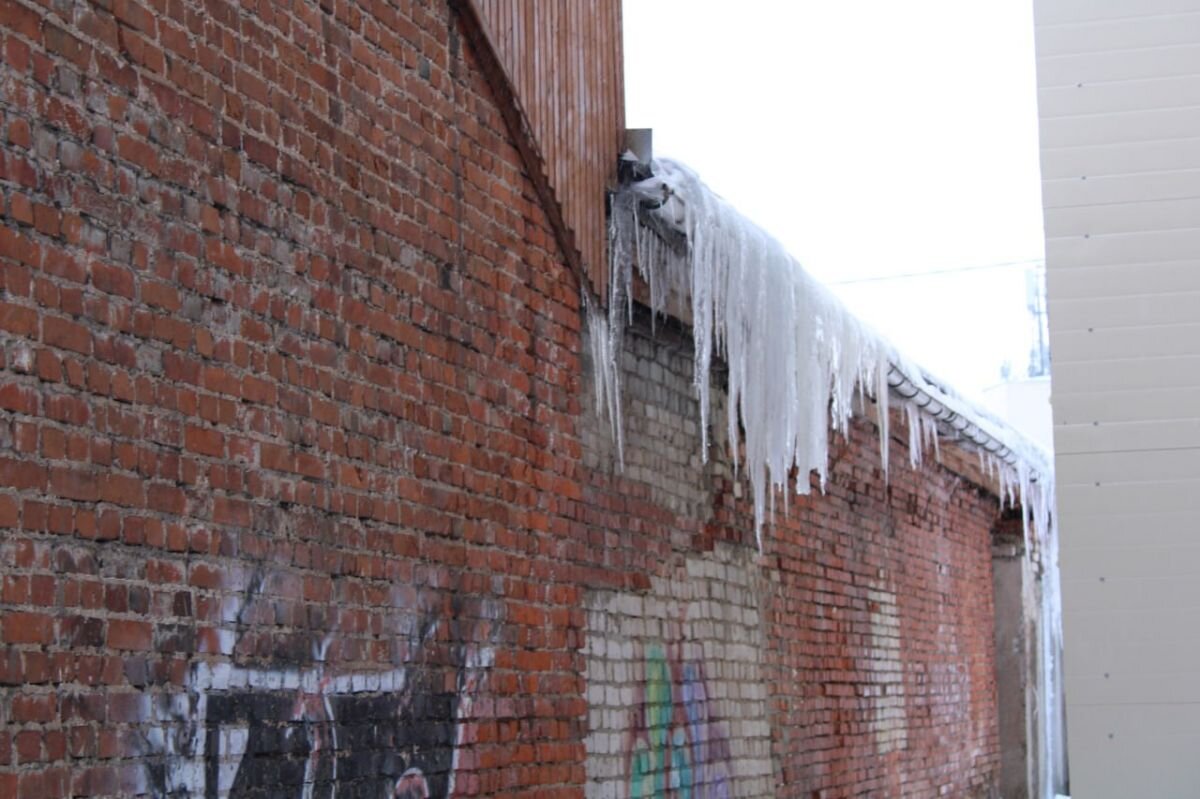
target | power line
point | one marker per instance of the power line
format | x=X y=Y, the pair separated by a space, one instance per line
x=952 y=270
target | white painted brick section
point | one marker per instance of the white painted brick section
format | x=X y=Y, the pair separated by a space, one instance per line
x=675 y=683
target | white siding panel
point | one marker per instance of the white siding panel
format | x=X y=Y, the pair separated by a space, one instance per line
x=1072 y=406
x=1100 y=344
x=1118 y=564
x=1141 y=310
x=1105 y=66
x=1126 y=33
x=1119 y=108
x=1131 y=529
x=1133 y=466
x=1048 y=13
x=1089 y=594
x=1112 y=437
x=1083 y=191
x=1122 y=127
x=1165 y=495
x=1140 y=745
x=1081 y=99
x=1131 y=374
x=1092 y=687
x=1127 y=633
x=1130 y=217
x=1122 y=248
x=1124 y=158
x=1114 y=280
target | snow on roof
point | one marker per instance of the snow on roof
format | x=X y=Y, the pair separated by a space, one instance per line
x=796 y=356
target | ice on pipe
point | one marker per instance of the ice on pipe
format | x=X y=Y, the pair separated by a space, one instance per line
x=796 y=357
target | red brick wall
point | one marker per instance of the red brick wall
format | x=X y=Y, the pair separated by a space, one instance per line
x=872 y=625
x=882 y=633
x=285 y=348
x=299 y=481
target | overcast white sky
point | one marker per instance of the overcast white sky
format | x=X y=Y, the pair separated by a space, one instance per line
x=874 y=138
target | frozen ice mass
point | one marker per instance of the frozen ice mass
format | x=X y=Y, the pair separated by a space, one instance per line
x=799 y=364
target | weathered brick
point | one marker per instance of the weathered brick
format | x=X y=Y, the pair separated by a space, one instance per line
x=68 y=335
x=125 y=634
x=68 y=46
x=22 y=474
x=19 y=319
x=21 y=209
x=75 y=484
x=23 y=627
x=122 y=489
x=134 y=14
x=204 y=441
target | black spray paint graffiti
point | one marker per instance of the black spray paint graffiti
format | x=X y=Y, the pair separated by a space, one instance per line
x=303 y=734
x=320 y=731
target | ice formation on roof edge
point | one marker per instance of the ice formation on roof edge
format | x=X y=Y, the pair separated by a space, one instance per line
x=795 y=355
x=796 y=358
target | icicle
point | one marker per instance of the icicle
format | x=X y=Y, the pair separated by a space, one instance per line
x=795 y=356
x=914 y=434
x=604 y=342
x=929 y=436
x=881 y=402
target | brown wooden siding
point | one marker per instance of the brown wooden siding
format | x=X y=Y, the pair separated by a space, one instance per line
x=565 y=63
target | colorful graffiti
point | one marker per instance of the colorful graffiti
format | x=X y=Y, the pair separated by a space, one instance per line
x=679 y=749
x=317 y=729
x=677 y=703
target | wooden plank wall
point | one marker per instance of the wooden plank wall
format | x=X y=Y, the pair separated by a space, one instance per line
x=565 y=63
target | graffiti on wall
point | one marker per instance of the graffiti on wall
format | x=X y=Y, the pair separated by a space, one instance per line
x=318 y=729
x=679 y=747
x=677 y=706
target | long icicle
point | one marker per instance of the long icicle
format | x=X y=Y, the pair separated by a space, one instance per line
x=795 y=355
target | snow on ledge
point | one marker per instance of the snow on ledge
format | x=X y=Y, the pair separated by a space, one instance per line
x=796 y=356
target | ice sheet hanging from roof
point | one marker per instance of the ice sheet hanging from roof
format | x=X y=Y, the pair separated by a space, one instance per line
x=795 y=355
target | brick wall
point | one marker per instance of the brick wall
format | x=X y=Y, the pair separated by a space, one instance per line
x=884 y=623
x=289 y=374
x=867 y=622
x=300 y=488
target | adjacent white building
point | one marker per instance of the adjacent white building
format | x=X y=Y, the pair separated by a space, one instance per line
x=1119 y=106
